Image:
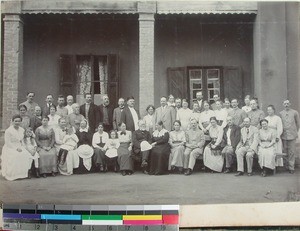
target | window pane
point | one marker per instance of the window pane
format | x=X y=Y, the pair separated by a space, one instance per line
x=195 y=74
x=84 y=74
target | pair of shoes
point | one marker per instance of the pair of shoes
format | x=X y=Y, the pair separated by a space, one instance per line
x=173 y=168
x=291 y=171
x=203 y=168
x=129 y=173
x=188 y=172
x=37 y=173
x=123 y=172
x=44 y=175
x=53 y=174
x=227 y=170
x=239 y=174
x=250 y=174
x=145 y=172
x=144 y=164
x=101 y=168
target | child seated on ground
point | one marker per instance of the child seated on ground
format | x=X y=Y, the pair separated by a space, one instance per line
x=31 y=146
x=111 y=147
x=69 y=143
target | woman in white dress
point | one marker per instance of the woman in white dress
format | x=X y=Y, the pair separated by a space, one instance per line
x=212 y=156
x=221 y=114
x=184 y=115
x=15 y=159
x=275 y=123
x=247 y=106
x=177 y=141
x=266 y=147
x=149 y=118
x=53 y=117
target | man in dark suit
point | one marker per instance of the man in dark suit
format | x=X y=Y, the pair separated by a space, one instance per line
x=137 y=137
x=106 y=114
x=90 y=111
x=200 y=100
x=49 y=102
x=231 y=138
x=130 y=116
x=117 y=113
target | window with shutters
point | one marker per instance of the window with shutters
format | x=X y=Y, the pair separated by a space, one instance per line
x=95 y=74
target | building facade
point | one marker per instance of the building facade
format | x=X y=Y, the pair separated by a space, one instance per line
x=149 y=49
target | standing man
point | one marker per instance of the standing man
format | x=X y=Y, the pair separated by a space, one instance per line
x=255 y=115
x=130 y=116
x=246 y=147
x=90 y=111
x=177 y=104
x=117 y=113
x=199 y=98
x=165 y=114
x=195 y=141
x=106 y=114
x=70 y=101
x=238 y=115
x=60 y=109
x=49 y=102
x=291 y=123
x=30 y=104
x=231 y=138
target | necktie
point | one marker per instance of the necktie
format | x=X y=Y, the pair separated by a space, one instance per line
x=247 y=131
x=100 y=139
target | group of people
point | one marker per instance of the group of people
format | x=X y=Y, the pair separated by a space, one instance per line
x=75 y=138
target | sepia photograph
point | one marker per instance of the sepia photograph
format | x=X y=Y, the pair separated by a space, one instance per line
x=149 y=102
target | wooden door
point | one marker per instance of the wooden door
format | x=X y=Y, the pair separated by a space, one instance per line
x=177 y=82
x=233 y=83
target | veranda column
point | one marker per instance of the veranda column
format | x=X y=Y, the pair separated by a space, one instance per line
x=146 y=54
x=12 y=65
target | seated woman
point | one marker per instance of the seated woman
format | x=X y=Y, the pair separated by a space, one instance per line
x=124 y=151
x=212 y=156
x=159 y=154
x=15 y=159
x=99 y=139
x=177 y=141
x=111 y=151
x=266 y=147
x=30 y=145
x=45 y=140
x=82 y=156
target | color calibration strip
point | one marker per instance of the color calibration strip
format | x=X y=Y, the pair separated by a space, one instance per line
x=91 y=217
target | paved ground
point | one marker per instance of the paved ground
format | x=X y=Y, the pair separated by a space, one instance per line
x=112 y=188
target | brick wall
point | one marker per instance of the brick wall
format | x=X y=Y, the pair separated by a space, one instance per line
x=12 y=65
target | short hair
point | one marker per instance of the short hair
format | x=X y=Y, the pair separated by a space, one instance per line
x=129 y=98
x=235 y=99
x=247 y=97
x=22 y=106
x=177 y=121
x=178 y=99
x=193 y=119
x=100 y=124
x=205 y=102
x=61 y=96
x=52 y=106
x=247 y=118
x=49 y=95
x=263 y=120
x=45 y=117
x=74 y=105
x=61 y=118
x=160 y=123
x=220 y=101
x=16 y=116
x=86 y=94
x=226 y=99
x=111 y=131
x=199 y=92
x=29 y=92
x=271 y=106
x=70 y=96
x=121 y=98
x=163 y=97
x=149 y=106
x=171 y=96
x=213 y=118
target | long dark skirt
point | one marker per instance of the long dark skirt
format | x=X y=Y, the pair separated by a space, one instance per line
x=124 y=157
x=159 y=159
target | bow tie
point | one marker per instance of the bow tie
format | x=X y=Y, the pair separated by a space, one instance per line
x=123 y=133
